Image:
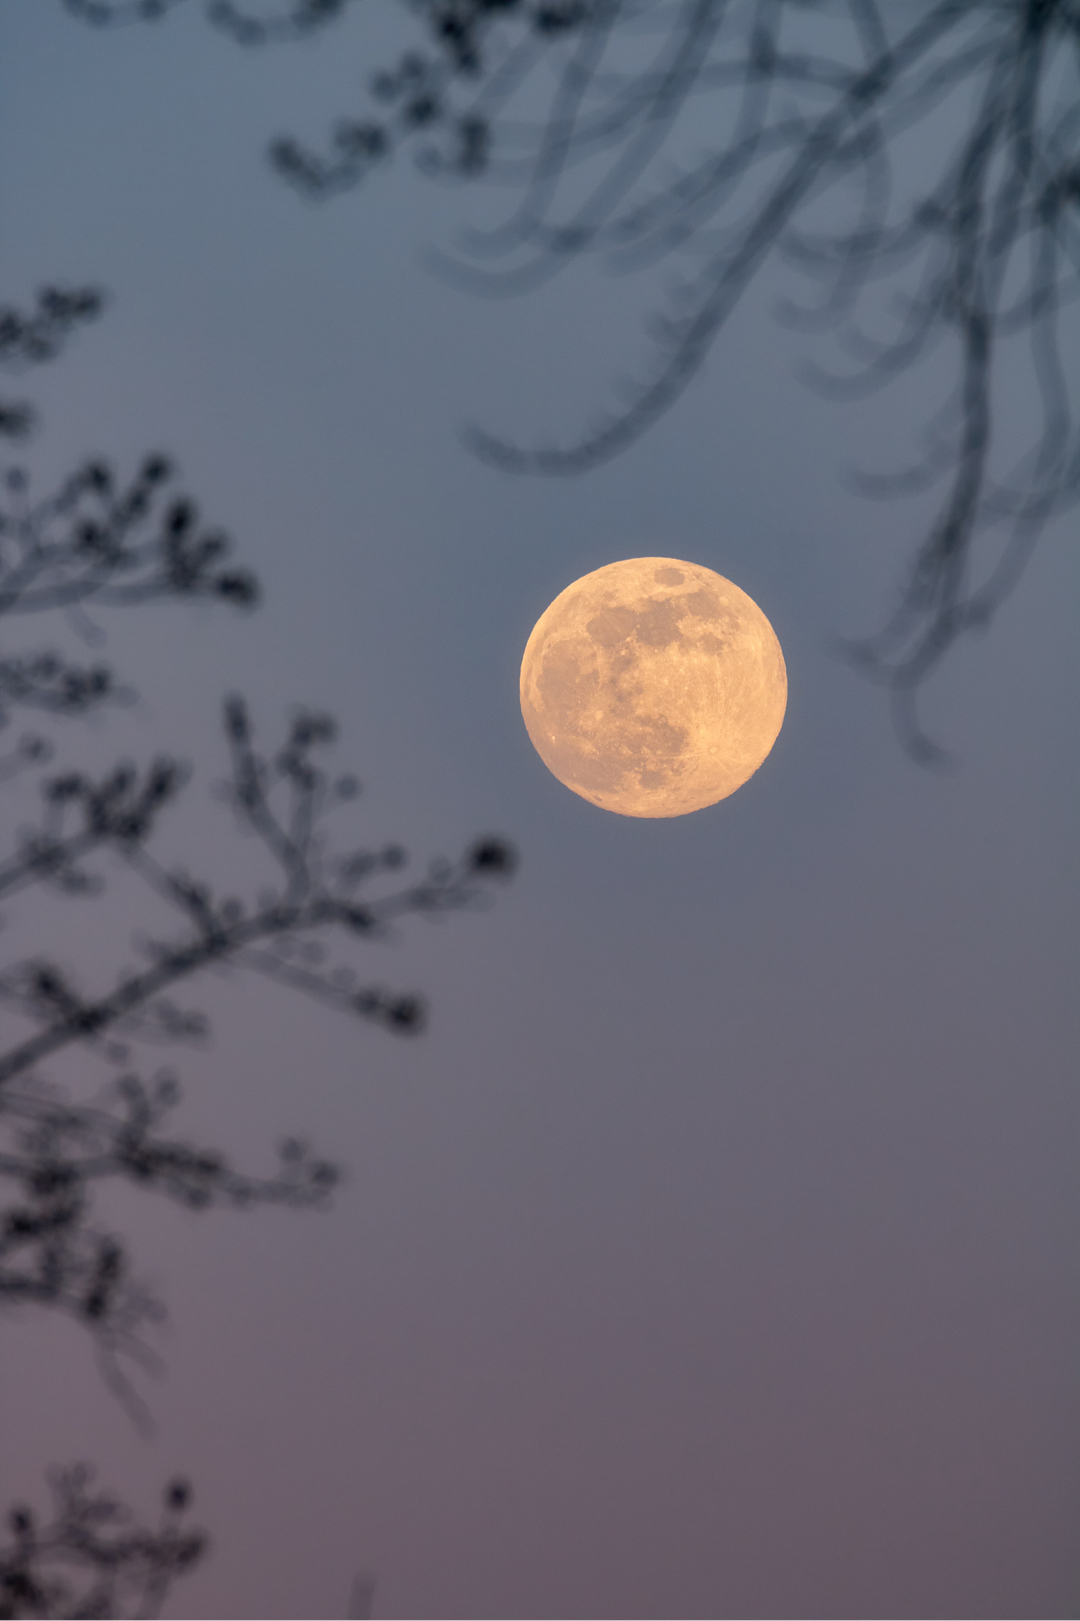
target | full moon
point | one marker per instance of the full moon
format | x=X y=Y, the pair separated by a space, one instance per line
x=653 y=687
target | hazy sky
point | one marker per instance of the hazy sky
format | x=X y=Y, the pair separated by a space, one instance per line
x=715 y=1252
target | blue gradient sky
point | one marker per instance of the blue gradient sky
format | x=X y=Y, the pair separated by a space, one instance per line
x=715 y=1252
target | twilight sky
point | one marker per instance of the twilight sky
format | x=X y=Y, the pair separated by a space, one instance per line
x=714 y=1253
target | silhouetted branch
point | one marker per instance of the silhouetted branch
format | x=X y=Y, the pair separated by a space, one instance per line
x=53 y=1153
x=100 y=542
x=282 y=801
x=114 y=13
x=27 y=340
x=96 y=540
x=716 y=134
x=79 y=816
x=987 y=250
x=273 y=21
x=489 y=46
x=251 y=22
x=50 y=1253
x=39 y=336
x=91 y=1558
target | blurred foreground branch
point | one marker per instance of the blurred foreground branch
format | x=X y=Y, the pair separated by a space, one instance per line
x=91 y=1558
x=311 y=899
x=915 y=165
x=100 y=543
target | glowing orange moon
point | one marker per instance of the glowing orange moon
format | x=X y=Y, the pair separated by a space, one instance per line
x=653 y=687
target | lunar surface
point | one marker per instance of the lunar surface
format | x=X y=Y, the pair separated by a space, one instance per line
x=653 y=687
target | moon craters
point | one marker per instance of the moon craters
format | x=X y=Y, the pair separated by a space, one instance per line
x=653 y=687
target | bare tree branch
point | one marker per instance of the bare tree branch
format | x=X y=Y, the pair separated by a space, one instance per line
x=50 y=1252
x=27 y=340
x=90 y=1558
x=53 y=1153
x=282 y=802
x=97 y=542
x=715 y=135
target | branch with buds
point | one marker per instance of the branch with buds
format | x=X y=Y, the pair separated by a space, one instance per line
x=54 y=1152
x=91 y=1558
